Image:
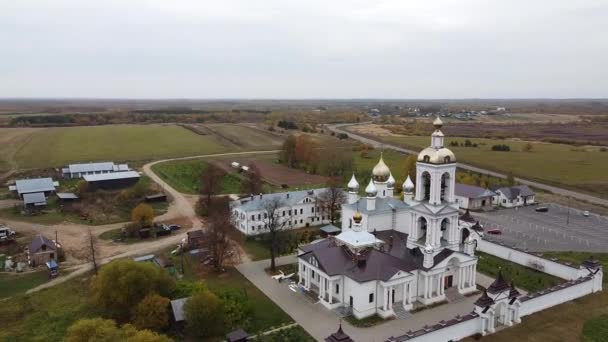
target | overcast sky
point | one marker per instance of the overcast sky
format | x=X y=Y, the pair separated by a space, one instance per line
x=304 y=49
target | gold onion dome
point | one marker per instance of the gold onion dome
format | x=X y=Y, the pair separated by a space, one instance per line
x=357 y=217
x=381 y=172
x=371 y=190
x=408 y=185
x=353 y=185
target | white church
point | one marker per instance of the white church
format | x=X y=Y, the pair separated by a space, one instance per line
x=395 y=254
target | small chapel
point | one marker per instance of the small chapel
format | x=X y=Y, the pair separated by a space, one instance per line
x=392 y=254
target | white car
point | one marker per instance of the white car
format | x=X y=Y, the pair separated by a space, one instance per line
x=586 y=213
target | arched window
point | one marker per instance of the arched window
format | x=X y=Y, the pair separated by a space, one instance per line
x=426 y=159
x=447 y=160
x=426 y=184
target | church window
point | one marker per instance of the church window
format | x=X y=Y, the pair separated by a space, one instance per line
x=426 y=159
x=337 y=288
x=371 y=297
x=446 y=160
x=350 y=223
x=252 y=217
x=301 y=211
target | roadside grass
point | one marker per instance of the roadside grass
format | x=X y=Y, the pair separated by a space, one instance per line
x=293 y=334
x=575 y=167
x=584 y=319
x=45 y=315
x=12 y=284
x=523 y=277
x=58 y=146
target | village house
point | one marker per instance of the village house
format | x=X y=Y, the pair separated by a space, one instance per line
x=473 y=197
x=80 y=170
x=41 y=250
x=297 y=209
x=514 y=196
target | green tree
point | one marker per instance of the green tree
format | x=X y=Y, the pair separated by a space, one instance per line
x=204 y=314
x=152 y=312
x=106 y=330
x=237 y=309
x=122 y=284
x=143 y=215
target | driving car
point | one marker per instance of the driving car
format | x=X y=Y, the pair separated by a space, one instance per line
x=494 y=231
x=542 y=209
x=586 y=213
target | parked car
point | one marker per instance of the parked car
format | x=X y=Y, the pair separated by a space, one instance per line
x=494 y=231
x=162 y=229
x=175 y=227
x=6 y=234
x=542 y=209
x=586 y=213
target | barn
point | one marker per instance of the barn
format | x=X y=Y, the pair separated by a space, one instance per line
x=111 y=181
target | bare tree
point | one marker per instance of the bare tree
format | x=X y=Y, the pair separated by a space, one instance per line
x=89 y=250
x=218 y=241
x=276 y=218
x=211 y=183
x=252 y=182
x=331 y=199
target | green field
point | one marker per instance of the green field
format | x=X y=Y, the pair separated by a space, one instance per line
x=184 y=176
x=13 y=284
x=583 y=168
x=55 y=147
x=246 y=137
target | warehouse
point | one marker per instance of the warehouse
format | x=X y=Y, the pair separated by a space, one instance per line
x=110 y=181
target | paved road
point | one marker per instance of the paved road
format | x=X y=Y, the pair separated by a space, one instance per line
x=550 y=188
x=320 y=322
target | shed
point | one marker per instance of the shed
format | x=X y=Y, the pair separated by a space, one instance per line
x=144 y=258
x=115 y=180
x=41 y=250
x=177 y=306
x=67 y=196
x=26 y=186
x=237 y=336
x=36 y=199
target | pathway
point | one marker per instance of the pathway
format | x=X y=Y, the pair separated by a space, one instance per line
x=542 y=186
x=320 y=322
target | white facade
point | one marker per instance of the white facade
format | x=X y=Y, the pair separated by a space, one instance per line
x=299 y=209
x=422 y=251
x=506 y=198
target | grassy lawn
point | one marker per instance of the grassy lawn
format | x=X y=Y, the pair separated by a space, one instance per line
x=584 y=319
x=13 y=284
x=524 y=277
x=184 y=176
x=46 y=315
x=58 y=146
x=576 y=167
x=257 y=247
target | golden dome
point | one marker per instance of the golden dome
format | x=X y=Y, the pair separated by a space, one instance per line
x=381 y=172
x=436 y=156
x=357 y=217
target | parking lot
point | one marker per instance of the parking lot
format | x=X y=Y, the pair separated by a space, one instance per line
x=558 y=229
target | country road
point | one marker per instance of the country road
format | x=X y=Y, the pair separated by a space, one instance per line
x=180 y=207
x=556 y=190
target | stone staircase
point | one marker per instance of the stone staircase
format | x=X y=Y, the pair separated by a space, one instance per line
x=343 y=311
x=400 y=312
x=453 y=296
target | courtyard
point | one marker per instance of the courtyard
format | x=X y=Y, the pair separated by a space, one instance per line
x=559 y=229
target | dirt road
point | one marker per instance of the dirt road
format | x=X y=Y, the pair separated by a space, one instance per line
x=560 y=191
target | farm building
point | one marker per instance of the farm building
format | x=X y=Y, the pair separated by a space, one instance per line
x=45 y=186
x=80 y=170
x=34 y=200
x=514 y=196
x=67 y=197
x=297 y=209
x=41 y=250
x=473 y=197
x=110 y=181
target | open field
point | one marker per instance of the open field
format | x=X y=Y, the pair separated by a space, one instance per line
x=55 y=147
x=563 y=323
x=245 y=136
x=184 y=176
x=580 y=168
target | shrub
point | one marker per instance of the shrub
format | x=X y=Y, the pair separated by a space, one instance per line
x=152 y=313
x=204 y=314
x=501 y=147
x=143 y=215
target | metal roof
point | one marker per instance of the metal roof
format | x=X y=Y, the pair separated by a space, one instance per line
x=111 y=176
x=330 y=228
x=288 y=198
x=177 y=306
x=67 y=195
x=514 y=191
x=149 y=257
x=91 y=167
x=35 y=185
x=471 y=191
x=40 y=241
x=35 y=198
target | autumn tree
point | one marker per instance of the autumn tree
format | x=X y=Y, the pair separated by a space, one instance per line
x=122 y=284
x=276 y=218
x=204 y=313
x=210 y=185
x=142 y=215
x=98 y=329
x=332 y=198
x=288 y=151
x=152 y=312
x=252 y=180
